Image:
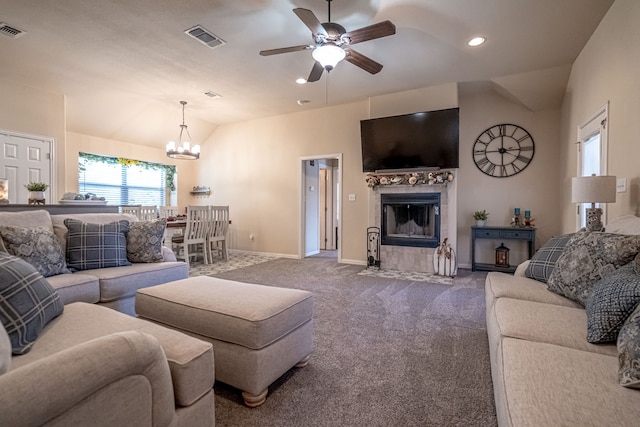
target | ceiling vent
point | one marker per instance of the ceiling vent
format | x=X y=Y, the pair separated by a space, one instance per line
x=213 y=95
x=10 y=31
x=205 y=36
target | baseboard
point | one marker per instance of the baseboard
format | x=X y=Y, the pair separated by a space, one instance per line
x=272 y=254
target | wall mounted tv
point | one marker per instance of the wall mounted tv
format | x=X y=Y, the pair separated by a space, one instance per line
x=427 y=140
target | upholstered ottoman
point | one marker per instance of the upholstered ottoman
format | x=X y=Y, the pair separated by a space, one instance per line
x=258 y=332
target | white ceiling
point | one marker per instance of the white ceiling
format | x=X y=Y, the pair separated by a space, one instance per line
x=125 y=65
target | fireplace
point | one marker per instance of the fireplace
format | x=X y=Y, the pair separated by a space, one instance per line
x=411 y=219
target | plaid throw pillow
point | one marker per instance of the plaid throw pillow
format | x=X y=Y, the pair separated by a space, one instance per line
x=27 y=302
x=91 y=246
x=542 y=262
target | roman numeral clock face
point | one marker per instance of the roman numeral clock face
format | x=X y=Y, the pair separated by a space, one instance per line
x=503 y=150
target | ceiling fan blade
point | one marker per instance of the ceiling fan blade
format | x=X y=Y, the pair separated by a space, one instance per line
x=285 y=50
x=316 y=72
x=310 y=21
x=362 y=61
x=375 y=31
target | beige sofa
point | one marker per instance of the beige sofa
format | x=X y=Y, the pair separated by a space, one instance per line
x=114 y=287
x=95 y=366
x=544 y=371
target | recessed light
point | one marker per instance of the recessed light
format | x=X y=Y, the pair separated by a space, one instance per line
x=476 y=41
x=301 y=80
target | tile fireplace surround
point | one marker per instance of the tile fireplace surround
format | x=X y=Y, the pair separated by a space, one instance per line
x=405 y=258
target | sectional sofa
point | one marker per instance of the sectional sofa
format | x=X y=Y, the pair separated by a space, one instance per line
x=76 y=361
x=545 y=371
x=113 y=287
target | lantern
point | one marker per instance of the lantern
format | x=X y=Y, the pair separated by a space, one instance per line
x=502 y=256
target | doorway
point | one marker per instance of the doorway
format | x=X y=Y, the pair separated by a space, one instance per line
x=320 y=207
x=24 y=159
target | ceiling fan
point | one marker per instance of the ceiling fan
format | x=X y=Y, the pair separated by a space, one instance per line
x=332 y=43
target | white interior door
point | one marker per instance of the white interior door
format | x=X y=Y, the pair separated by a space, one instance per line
x=24 y=159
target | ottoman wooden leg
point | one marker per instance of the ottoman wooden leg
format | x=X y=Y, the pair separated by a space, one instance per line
x=304 y=362
x=253 y=400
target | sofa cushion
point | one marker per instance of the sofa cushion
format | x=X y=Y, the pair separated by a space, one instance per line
x=60 y=230
x=27 y=302
x=38 y=246
x=144 y=240
x=611 y=301
x=625 y=224
x=544 y=260
x=190 y=360
x=5 y=351
x=587 y=258
x=91 y=246
x=629 y=351
x=550 y=385
x=502 y=285
x=76 y=287
x=28 y=218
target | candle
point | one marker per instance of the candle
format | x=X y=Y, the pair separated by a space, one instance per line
x=527 y=214
x=516 y=211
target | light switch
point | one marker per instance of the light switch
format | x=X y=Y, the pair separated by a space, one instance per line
x=621 y=185
x=352 y=197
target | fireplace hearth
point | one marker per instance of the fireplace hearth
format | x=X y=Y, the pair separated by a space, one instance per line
x=410 y=219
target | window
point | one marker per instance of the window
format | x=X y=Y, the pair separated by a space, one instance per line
x=592 y=154
x=124 y=181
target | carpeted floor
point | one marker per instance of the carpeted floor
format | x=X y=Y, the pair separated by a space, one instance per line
x=388 y=352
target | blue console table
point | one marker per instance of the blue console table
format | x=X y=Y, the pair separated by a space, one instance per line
x=500 y=233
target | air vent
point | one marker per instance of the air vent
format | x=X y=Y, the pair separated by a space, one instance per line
x=212 y=95
x=205 y=36
x=10 y=31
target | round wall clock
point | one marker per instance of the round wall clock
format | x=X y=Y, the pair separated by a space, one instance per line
x=503 y=150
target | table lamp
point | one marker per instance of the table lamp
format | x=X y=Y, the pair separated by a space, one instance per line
x=593 y=189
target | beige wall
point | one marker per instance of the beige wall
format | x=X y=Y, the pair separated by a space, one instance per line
x=535 y=188
x=35 y=112
x=254 y=167
x=606 y=70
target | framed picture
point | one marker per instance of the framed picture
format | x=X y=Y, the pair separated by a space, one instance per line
x=4 y=190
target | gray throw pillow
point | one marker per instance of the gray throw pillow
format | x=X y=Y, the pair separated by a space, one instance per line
x=610 y=303
x=544 y=260
x=144 y=240
x=587 y=258
x=629 y=351
x=27 y=302
x=38 y=246
x=91 y=246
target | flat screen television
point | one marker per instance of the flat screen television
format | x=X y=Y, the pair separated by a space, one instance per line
x=427 y=140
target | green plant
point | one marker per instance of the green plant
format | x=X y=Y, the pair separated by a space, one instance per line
x=481 y=215
x=36 y=186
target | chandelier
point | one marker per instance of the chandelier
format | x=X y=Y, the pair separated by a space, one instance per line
x=183 y=150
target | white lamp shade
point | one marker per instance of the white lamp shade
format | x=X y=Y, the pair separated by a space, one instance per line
x=328 y=55
x=593 y=189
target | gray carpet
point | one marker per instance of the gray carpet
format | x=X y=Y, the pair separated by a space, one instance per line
x=388 y=352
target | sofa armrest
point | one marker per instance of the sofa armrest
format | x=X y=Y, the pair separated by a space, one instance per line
x=168 y=255
x=119 y=378
x=521 y=268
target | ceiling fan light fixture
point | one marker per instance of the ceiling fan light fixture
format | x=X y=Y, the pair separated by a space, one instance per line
x=476 y=41
x=328 y=55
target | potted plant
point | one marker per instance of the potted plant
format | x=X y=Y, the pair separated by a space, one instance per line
x=36 y=190
x=480 y=217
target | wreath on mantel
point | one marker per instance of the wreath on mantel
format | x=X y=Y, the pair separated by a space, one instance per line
x=413 y=178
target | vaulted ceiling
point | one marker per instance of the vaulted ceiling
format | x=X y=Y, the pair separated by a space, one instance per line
x=123 y=66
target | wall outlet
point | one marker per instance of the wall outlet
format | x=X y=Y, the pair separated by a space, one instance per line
x=352 y=197
x=621 y=185
x=252 y=237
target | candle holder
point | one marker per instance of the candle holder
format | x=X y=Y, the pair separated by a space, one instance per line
x=515 y=220
x=528 y=219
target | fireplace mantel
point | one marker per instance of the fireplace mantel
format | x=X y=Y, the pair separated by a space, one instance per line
x=409 y=178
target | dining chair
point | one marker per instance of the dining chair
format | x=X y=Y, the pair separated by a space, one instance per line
x=193 y=241
x=217 y=234
x=132 y=210
x=167 y=211
x=148 y=213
